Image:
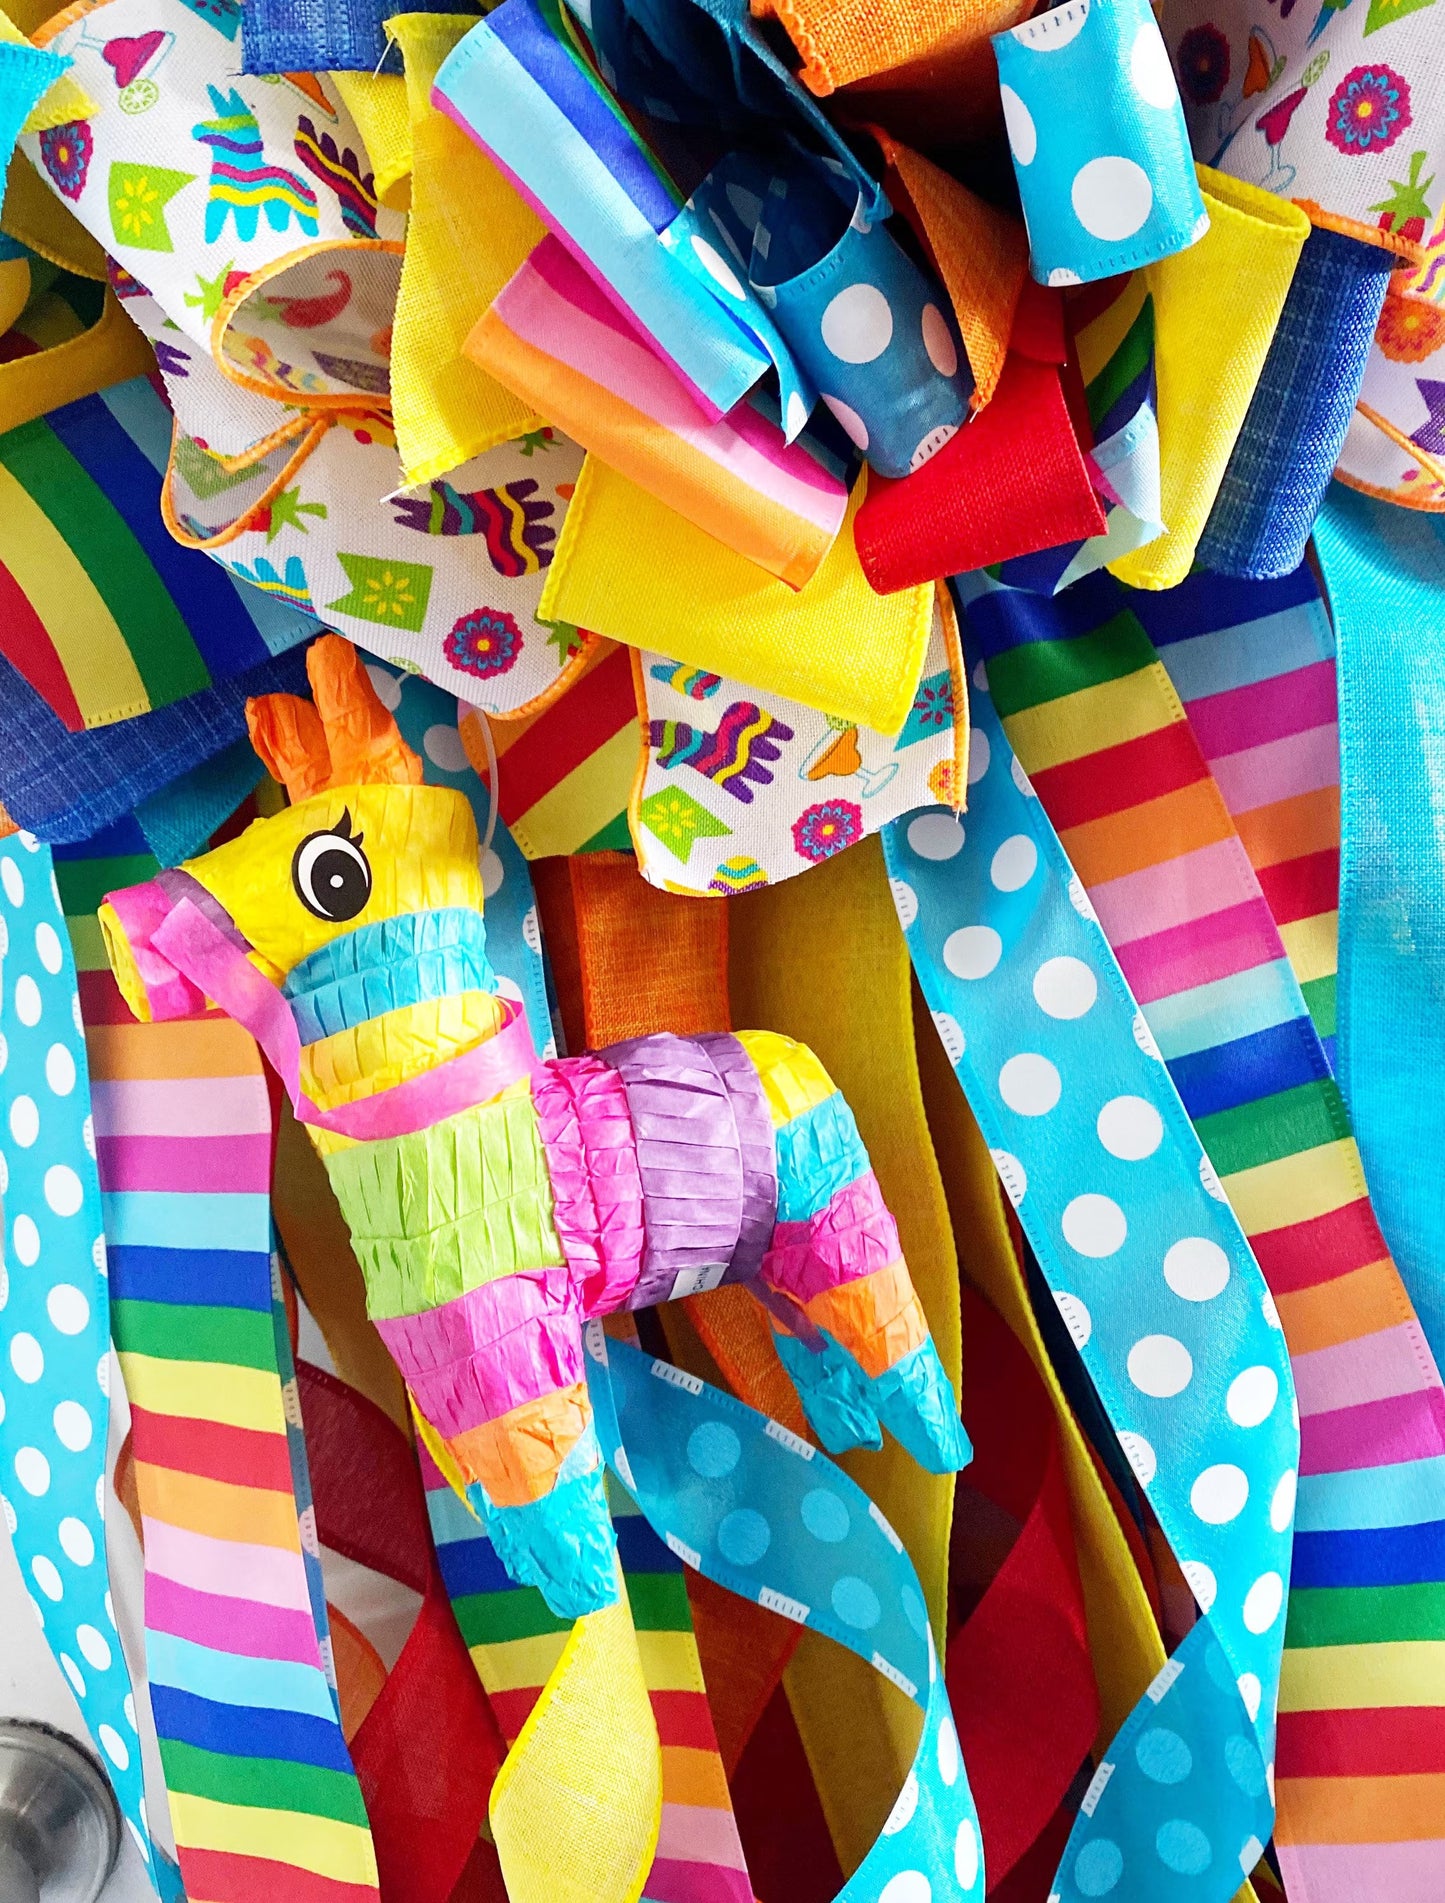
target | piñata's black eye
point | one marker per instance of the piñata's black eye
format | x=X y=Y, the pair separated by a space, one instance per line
x=331 y=874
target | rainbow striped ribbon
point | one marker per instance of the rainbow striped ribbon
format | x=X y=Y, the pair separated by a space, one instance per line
x=515 y=1643
x=564 y=775
x=100 y=610
x=264 y=1801
x=55 y=1361
x=1098 y=726
x=1254 y=665
x=557 y=340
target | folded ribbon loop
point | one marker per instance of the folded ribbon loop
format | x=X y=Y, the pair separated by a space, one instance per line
x=1098 y=140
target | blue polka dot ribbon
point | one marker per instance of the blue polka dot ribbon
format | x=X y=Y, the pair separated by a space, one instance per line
x=55 y=1321
x=1098 y=139
x=763 y=1513
x=1160 y=1292
x=871 y=333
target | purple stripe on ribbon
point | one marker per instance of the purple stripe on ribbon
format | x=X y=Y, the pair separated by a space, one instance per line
x=586 y=1131
x=478 y=1356
x=853 y=1235
x=758 y=1146
x=690 y=1162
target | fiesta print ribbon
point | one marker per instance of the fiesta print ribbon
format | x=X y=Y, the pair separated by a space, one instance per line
x=1158 y=1287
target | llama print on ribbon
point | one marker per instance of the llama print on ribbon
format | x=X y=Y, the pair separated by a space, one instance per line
x=242 y=184
x=223 y=15
x=695 y=682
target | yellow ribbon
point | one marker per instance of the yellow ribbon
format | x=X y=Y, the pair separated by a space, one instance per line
x=469 y=232
x=1216 y=306
x=576 y=1808
x=378 y=104
x=629 y=567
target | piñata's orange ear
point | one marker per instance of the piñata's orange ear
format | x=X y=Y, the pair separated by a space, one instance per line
x=287 y=733
x=365 y=743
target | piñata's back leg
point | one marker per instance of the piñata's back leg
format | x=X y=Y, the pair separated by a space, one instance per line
x=861 y=1354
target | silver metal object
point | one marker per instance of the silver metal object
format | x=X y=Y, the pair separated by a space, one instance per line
x=59 y=1821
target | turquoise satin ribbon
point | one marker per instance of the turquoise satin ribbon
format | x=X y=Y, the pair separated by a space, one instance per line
x=1384 y=569
x=763 y=1513
x=1160 y=1291
x=1098 y=139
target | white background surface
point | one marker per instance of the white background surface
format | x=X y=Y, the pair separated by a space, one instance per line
x=31 y=1686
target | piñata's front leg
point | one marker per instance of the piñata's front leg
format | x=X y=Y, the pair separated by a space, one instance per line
x=467 y=1284
x=497 y=1375
x=860 y=1353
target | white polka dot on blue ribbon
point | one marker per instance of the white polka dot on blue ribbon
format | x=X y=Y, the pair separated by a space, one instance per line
x=869 y=332
x=765 y=1514
x=55 y=1317
x=1158 y=1288
x=1098 y=138
x=427 y=718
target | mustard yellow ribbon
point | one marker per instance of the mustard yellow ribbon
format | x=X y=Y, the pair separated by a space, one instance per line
x=801 y=955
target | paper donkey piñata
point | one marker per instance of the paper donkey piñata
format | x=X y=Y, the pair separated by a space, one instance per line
x=496 y=1203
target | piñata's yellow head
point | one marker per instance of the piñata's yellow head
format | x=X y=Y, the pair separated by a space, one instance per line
x=363 y=841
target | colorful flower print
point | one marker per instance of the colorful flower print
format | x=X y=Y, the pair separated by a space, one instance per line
x=487 y=641
x=1410 y=329
x=1203 y=61
x=943 y=783
x=1369 y=109
x=65 y=152
x=827 y=828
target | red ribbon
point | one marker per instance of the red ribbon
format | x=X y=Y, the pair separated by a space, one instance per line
x=428 y=1750
x=1023 y=1650
x=1012 y=481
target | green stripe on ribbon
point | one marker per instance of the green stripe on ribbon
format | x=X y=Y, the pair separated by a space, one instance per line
x=152 y=627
